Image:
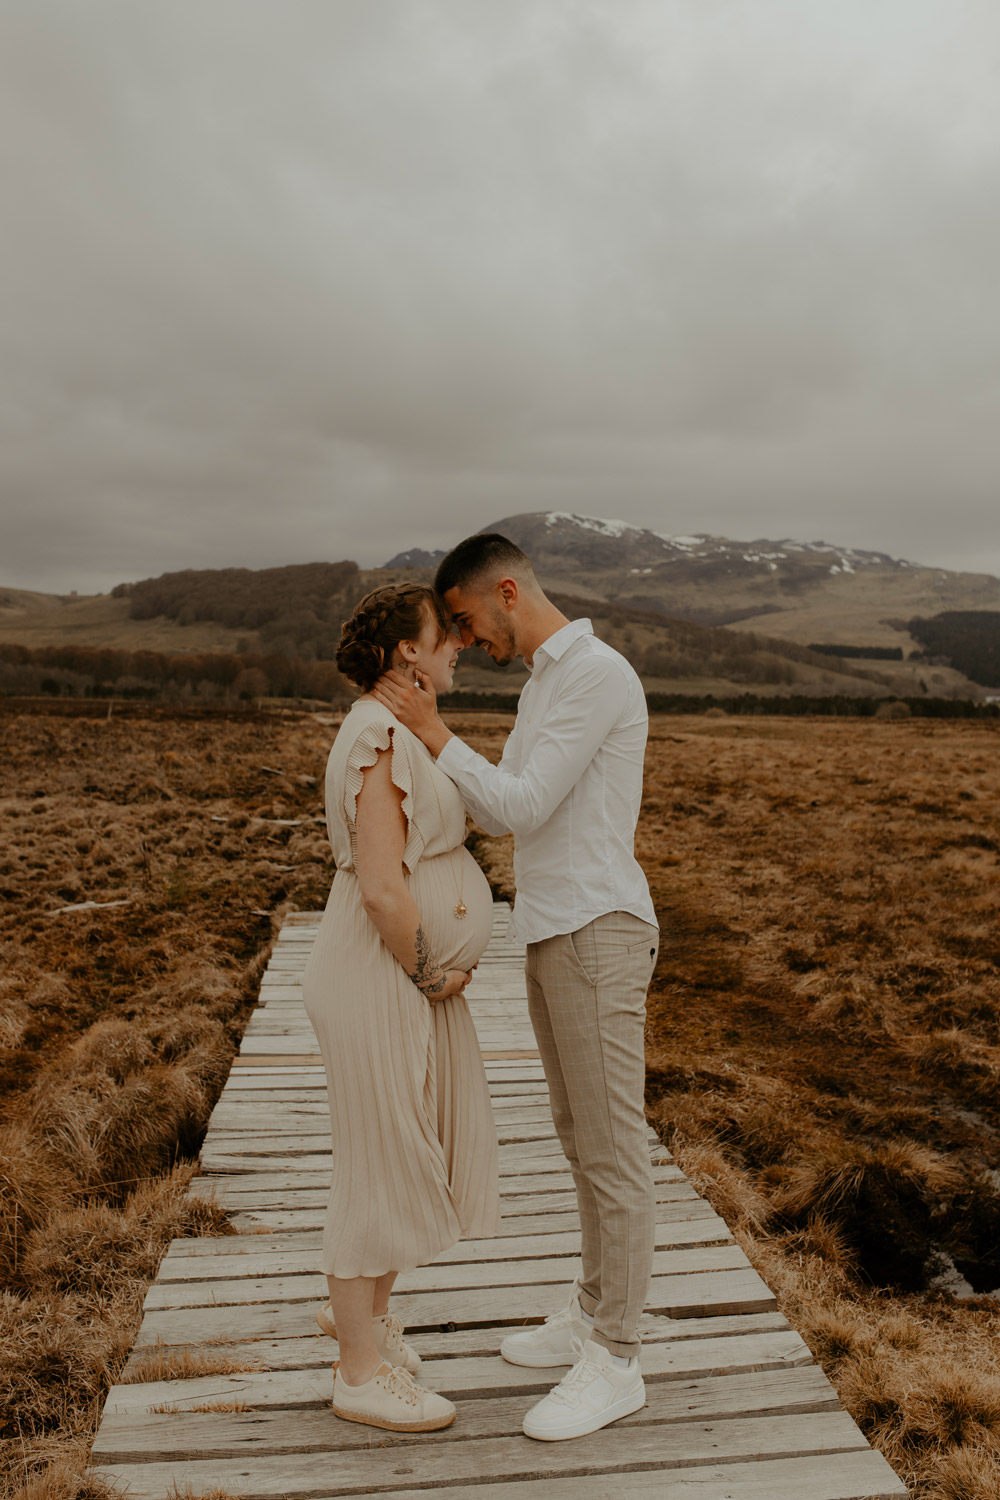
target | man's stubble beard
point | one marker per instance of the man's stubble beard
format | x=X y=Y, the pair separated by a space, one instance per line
x=504 y=642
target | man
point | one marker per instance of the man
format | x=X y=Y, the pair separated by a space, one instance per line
x=569 y=787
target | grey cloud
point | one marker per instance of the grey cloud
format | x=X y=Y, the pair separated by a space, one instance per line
x=322 y=280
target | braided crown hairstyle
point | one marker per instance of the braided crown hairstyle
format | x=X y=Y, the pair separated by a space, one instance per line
x=386 y=616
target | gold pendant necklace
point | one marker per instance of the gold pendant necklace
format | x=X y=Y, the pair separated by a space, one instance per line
x=460 y=909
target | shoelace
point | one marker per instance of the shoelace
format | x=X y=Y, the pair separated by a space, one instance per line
x=399 y=1382
x=578 y=1377
x=394 y=1332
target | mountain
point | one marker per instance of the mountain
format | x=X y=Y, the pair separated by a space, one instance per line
x=416 y=558
x=695 y=614
x=807 y=592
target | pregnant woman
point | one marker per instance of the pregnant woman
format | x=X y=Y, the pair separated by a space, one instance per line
x=409 y=916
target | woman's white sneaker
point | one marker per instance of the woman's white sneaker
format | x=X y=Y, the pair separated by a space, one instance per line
x=550 y=1343
x=393 y=1400
x=593 y=1393
x=389 y=1341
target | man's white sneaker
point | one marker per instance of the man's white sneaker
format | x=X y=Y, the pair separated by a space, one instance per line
x=595 y=1392
x=389 y=1341
x=393 y=1400
x=550 y=1343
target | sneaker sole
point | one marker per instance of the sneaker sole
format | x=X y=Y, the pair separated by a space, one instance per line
x=431 y=1424
x=529 y=1361
x=587 y=1425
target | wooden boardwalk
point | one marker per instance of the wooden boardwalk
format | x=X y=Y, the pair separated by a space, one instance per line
x=736 y=1409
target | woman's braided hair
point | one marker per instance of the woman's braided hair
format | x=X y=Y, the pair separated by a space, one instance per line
x=386 y=616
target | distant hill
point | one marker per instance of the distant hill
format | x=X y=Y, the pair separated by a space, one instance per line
x=416 y=558
x=292 y=611
x=801 y=591
x=695 y=614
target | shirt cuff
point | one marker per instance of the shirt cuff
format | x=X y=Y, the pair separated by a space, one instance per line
x=456 y=756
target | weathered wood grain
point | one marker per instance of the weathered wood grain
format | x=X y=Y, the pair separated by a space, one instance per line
x=187 y=1435
x=534 y=1191
x=852 y=1476
x=265 y=1255
x=684 y=1296
x=310 y=1349
x=626 y=1446
x=668 y=1359
x=541 y=1193
x=279 y=1285
x=736 y=1409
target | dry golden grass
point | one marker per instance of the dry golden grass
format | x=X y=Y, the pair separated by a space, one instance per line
x=823 y=1041
x=160 y=1363
x=823 y=1045
x=166 y=1409
x=118 y=1024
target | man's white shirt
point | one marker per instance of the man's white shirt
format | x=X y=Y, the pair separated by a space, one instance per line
x=568 y=786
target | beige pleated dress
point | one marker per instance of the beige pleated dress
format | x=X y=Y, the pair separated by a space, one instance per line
x=414 y=1142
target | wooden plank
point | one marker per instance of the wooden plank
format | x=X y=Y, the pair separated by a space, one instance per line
x=517 y=1155
x=304 y=1220
x=286 y=1285
x=245 y=1115
x=186 y=1435
x=545 y=1190
x=308 y=1348
x=473 y=1375
x=853 y=1476
x=629 y=1444
x=236 y=1159
x=252 y=1047
x=311 y=1190
x=732 y=1391
x=681 y=1296
x=285 y=1132
x=253 y=1254
x=272 y=1060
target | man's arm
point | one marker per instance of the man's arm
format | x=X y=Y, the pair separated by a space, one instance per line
x=415 y=705
x=486 y=820
x=575 y=727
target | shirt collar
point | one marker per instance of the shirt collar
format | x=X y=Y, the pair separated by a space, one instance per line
x=559 y=643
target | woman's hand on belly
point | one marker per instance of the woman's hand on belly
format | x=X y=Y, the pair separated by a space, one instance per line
x=454 y=983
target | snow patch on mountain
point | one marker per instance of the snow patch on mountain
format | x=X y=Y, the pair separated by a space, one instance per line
x=590 y=523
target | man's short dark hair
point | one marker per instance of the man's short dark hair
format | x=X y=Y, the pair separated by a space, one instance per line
x=478 y=555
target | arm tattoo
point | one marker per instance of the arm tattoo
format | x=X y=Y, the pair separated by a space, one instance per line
x=427 y=976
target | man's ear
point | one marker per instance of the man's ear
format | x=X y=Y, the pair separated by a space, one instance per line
x=507 y=588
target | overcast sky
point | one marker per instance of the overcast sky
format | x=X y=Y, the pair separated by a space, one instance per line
x=331 y=278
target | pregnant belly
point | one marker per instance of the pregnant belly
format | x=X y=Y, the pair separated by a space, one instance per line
x=456 y=942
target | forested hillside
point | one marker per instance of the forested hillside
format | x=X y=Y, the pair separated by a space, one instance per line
x=968 y=640
x=206 y=677
x=282 y=626
x=294 y=611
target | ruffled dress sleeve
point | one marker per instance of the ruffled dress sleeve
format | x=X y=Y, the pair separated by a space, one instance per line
x=378 y=735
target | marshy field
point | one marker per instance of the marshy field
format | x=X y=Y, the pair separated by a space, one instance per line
x=823 y=1042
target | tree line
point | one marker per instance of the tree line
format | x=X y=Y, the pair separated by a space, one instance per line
x=207 y=677
x=966 y=639
x=294 y=610
x=864 y=653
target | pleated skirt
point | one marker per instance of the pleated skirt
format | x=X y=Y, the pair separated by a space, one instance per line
x=414 y=1141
